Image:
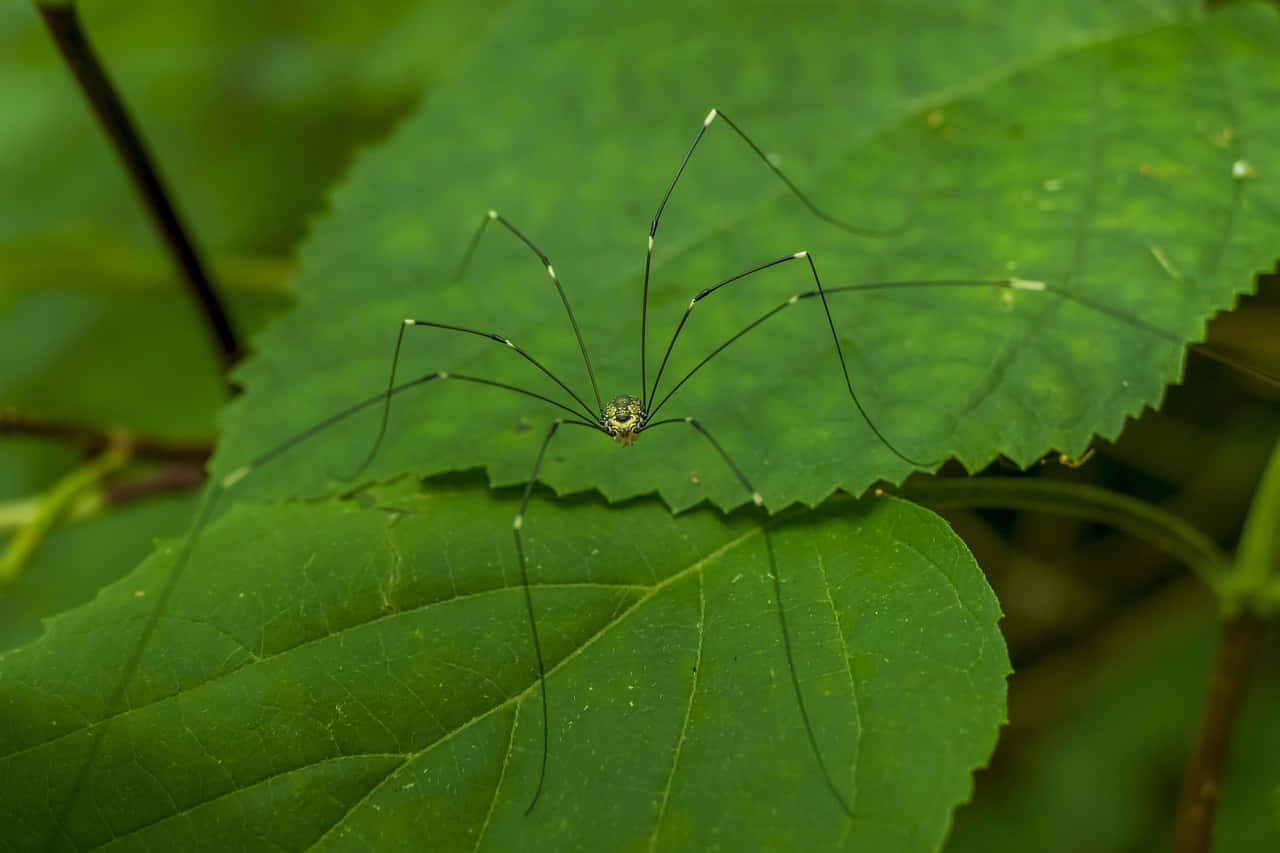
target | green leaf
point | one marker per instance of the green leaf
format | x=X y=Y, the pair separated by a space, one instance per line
x=1115 y=152
x=363 y=677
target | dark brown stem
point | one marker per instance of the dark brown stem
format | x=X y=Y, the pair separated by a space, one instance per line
x=64 y=25
x=175 y=477
x=1193 y=827
x=93 y=440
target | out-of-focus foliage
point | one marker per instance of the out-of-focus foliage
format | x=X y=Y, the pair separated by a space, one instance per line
x=252 y=111
x=1103 y=734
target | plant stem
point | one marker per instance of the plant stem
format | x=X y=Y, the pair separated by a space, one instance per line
x=64 y=25
x=51 y=506
x=94 y=440
x=95 y=498
x=1247 y=604
x=1193 y=826
x=175 y=477
x=1150 y=523
x=1257 y=564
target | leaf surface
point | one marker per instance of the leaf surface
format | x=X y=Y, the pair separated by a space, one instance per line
x=351 y=677
x=1117 y=154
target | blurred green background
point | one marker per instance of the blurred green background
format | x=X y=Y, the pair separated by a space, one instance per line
x=252 y=112
x=255 y=111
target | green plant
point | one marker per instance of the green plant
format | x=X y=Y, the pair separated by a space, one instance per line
x=360 y=660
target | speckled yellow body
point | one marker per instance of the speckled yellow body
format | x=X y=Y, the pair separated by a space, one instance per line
x=623 y=418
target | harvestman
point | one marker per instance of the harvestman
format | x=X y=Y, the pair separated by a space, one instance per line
x=622 y=418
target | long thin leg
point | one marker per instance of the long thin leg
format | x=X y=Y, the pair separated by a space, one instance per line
x=764 y=158
x=266 y=456
x=649 y=396
x=516 y=527
x=831 y=324
x=782 y=611
x=395 y=361
x=205 y=513
x=1008 y=284
x=811 y=294
x=1203 y=349
x=493 y=216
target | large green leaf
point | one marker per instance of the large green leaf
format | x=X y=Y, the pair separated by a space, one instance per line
x=363 y=678
x=1117 y=152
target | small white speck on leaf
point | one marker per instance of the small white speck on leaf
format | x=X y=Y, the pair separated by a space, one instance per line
x=1242 y=169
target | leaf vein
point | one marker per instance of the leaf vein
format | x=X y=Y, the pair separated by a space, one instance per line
x=688 y=713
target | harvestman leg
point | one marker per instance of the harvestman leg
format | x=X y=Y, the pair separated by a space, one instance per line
x=205 y=512
x=1008 y=284
x=235 y=476
x=395 y=361
x=764 y=158
x=490 y=216
x=823 y=293
x=385 y=397
x=494 y=216
x=758 y=501
x=517 y=527
x=831 y=324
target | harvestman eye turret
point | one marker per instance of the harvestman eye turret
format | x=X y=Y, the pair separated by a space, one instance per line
x=623 y=418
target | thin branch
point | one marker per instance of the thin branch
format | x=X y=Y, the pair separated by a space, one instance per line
x=1193 y=827
x=175 y=477
x=113 y=491
x=1258 y=556
x=64 y=25
x=93 y=440
x=51 y=507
